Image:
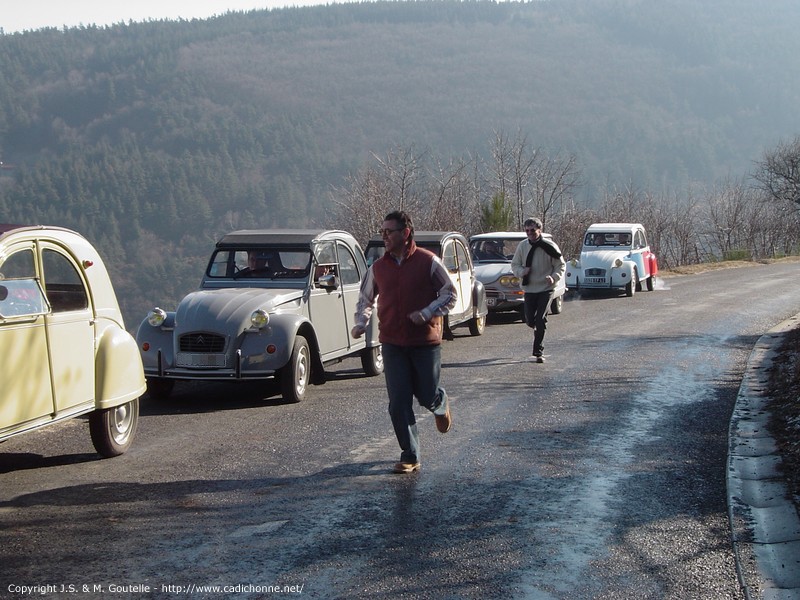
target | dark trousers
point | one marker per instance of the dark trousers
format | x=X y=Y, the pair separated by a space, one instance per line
x=536 y=306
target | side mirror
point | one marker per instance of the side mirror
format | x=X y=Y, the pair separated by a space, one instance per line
x=328 y=282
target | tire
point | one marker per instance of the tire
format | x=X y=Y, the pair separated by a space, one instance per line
x=477 y=325
x=372 y=360
x=557 y=305
x=447 y=332
x=295 y=375
x=651 y=283
x=160 y=389
x=630 y=289
x=112 y=429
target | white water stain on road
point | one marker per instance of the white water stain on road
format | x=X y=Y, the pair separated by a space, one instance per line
x=573 y=528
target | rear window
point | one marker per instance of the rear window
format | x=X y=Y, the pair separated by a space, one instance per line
x=599 y=238
x=260 y=263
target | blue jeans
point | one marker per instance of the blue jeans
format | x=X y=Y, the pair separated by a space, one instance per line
x=536 y=305
x=412 y=371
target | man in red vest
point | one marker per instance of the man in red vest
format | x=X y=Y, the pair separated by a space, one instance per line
x=414 y=292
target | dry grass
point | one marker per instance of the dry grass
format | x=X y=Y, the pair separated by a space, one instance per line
x=728 y=264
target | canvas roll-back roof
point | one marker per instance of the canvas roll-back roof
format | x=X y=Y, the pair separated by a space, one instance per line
x=273 y=237
x=7 y=228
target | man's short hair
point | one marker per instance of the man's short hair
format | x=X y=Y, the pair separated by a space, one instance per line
x=403 y=219
x=533 y=222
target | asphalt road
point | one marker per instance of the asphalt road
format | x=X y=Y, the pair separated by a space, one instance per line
x=599 y=474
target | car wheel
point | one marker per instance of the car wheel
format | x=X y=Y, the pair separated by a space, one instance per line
x=447 y=332
x=160 y=389
x=112 y=429
x=651 y=283
x=477 y=325
x=372 y=360
x=295 y=375
x=557 y=305
x=630 y=289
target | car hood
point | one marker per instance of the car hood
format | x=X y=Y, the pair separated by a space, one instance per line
x=205 y=308
x=489 y=272
x=601 y=258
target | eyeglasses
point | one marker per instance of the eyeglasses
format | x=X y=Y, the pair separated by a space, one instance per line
x=387 y=232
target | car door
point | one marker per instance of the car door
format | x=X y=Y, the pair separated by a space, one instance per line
x=637 y=252
x=351 y=286
x=466 y=277
x=326 y=306
x=26 y=393
x=70 y=330
x=450 y=259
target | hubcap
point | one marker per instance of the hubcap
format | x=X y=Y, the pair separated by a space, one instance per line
x=122 y=418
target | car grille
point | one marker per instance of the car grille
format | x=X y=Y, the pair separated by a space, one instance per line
x=595 y=272
x=202 y=343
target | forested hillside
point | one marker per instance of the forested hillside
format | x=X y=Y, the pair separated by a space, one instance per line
x=153 y=139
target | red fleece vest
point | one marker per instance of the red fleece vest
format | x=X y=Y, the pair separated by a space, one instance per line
x=402 y=289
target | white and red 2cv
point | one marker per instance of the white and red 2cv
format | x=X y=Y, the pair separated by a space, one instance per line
x=614 y=256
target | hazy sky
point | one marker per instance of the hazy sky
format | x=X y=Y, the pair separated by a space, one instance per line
x=19 y=15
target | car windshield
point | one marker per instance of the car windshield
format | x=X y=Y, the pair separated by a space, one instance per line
x=260 y=263
x=493 y=249
x=598 y=238
x=374 y=252
x=377 y=250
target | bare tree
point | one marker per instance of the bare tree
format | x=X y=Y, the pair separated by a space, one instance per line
x=402 y=169
x=555 y=181
x=568 y=225
x=454 y=205
x=368 y=196
x=656 y=214
x=778 y=172
x=678 y=244
x=501 y=166
x=622 y=205
x=726 y=220
x=524 y=162
x=362 y=203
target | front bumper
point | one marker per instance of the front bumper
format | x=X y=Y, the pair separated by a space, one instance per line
x=498 y=300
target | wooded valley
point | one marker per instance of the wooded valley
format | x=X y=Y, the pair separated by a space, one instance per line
x=153 y=139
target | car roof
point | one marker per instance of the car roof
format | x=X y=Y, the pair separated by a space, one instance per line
x=614 y=226
x=9 y=228
x=427 y=237
x=280 y=237
x=498 y=234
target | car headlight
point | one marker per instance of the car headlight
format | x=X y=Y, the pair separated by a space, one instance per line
x=574 y=262
x=259 y=318
x=156 y=317
x=618 y=263
x=509 y=280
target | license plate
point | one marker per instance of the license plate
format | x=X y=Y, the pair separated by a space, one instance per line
x=187 y=359
x=594 y=280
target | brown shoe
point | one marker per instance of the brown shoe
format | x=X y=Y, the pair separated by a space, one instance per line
x=405 y=467
x=444 y=422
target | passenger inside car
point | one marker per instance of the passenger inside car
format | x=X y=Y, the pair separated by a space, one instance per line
x=262 y=264
x=490 y=250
